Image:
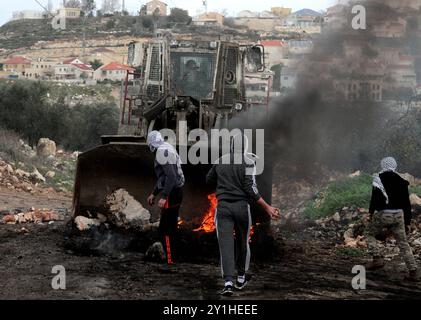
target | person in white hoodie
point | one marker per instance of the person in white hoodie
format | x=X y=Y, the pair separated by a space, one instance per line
x=168 y=188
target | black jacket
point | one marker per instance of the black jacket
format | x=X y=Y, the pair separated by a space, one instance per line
x=232 y=182
x=397 y=190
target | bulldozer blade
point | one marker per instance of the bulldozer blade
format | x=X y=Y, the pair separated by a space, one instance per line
x=130 y=165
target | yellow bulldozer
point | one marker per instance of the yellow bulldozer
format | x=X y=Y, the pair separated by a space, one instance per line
x=193 y=82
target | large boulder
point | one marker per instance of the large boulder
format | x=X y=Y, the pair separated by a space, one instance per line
x=125 y=212
x=411 y=179
x=46 y=147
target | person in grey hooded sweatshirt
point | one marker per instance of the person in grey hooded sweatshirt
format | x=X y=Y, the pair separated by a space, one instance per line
x=169 y=187
x=234 y=178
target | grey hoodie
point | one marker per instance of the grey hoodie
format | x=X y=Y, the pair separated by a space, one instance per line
x=233 y=181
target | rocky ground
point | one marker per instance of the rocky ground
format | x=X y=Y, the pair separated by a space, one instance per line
x=315 y=262
x=312 y=267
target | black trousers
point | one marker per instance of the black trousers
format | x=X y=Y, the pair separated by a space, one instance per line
x=235 y=252
x=168 y=224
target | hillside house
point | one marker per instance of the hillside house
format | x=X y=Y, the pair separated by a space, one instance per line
x=73 y=69
x=211 y=19
x=41 y=69
x=157 y=6
x=16 y=64
x=113 y=71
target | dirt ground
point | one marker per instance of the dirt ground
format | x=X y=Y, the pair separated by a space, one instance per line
x=310 y=268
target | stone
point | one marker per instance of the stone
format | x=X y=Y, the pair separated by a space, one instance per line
x=75 y=154
x=23 y=231
x=50 y=174
x=83 y=223
x=415 y=200
x=102 y=218
x=408 y=177
x=9 y=219
x=125 y=212
x=36 y=176
x=156 y=252
x=46 y=147
x=22 y=174
x=336 y=217
x=48 y=216
x=15 y=180
x=417 y=242
x=355 y=174
x=9 y=169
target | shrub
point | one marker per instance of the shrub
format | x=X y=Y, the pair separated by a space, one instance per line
x=24 y=109
x=10 y=145
x=355 y=192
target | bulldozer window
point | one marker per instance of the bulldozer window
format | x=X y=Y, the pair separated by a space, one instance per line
x=193 y=74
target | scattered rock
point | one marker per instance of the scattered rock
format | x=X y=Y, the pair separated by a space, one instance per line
x=417 y=242
x=22 y=174
x=355 y=174
x=75 y=154
x=126 y=212
x=23 y=231
x=336 y=217
x=15 y=180
x=415 y=200
x=83 y=223
x=37 y=177
x=410 y=178
x=33 y=216
x=156 y=253
x=9 y=219
x=50 y=174
x=46 y=147
x=9 y=169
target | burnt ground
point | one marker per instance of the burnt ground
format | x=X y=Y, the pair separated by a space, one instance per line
x=310 y=268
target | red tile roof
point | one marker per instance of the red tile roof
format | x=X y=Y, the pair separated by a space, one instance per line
x=84 y=67
x=406 y=58
x=17 y=60
x=116 y=66
x=69 y=61
x=272 y=43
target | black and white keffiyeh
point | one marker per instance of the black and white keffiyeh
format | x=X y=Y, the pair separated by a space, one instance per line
x=387 y=164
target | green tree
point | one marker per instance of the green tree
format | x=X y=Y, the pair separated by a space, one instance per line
x=147 y=22
x=110 y=24
x=143 y=10
x=96 y=64
x=88 y=7
x=72 y=4
x=179 y=15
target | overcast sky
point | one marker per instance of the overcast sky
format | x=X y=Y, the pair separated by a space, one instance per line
x=232 y=6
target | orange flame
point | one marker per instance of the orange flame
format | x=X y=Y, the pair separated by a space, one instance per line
x=208 y=224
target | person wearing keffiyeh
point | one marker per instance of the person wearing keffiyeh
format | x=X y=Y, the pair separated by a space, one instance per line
x=390 y=208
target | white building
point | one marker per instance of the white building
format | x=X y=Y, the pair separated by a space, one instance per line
x=288 y=78
x=73 y=69
x=113 y=71
x=28 y=15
